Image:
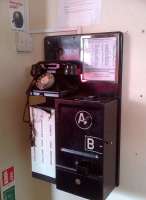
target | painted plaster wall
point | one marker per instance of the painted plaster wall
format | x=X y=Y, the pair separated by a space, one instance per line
x=14 y=135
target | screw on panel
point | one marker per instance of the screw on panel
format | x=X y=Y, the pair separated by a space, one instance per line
x=142 y=31
x=77 y=181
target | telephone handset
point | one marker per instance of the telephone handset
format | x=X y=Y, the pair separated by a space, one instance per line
x=46 y=72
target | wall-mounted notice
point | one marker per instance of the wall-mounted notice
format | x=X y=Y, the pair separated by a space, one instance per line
x=23 y=42
x=8 y=184
x=72 y=13
x=17 y=14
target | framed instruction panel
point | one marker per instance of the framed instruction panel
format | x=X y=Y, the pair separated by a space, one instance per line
x=99 y=57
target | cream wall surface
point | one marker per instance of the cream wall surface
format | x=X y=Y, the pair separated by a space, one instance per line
x=128 y=16
x=14 y=136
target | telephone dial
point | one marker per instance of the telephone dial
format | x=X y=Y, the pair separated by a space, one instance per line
x=55 y=78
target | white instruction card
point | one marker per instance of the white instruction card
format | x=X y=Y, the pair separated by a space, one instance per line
x=99 y=58
x=72 y=13
x=43 y=153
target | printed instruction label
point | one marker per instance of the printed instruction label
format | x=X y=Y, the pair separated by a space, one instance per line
x=43 y=153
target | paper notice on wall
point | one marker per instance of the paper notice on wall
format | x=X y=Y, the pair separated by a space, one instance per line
x=72 y=13
x=17 y=14
x=7 y=178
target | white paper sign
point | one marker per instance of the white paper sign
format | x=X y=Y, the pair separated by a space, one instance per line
x=99 y=58
x=43 y=153
x=17 y=14
x=78 y=12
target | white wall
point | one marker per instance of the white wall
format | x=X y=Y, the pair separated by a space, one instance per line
x=14 y=137
x=128 y=16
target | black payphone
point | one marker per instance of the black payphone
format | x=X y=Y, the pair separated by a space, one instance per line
x=81 y=80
